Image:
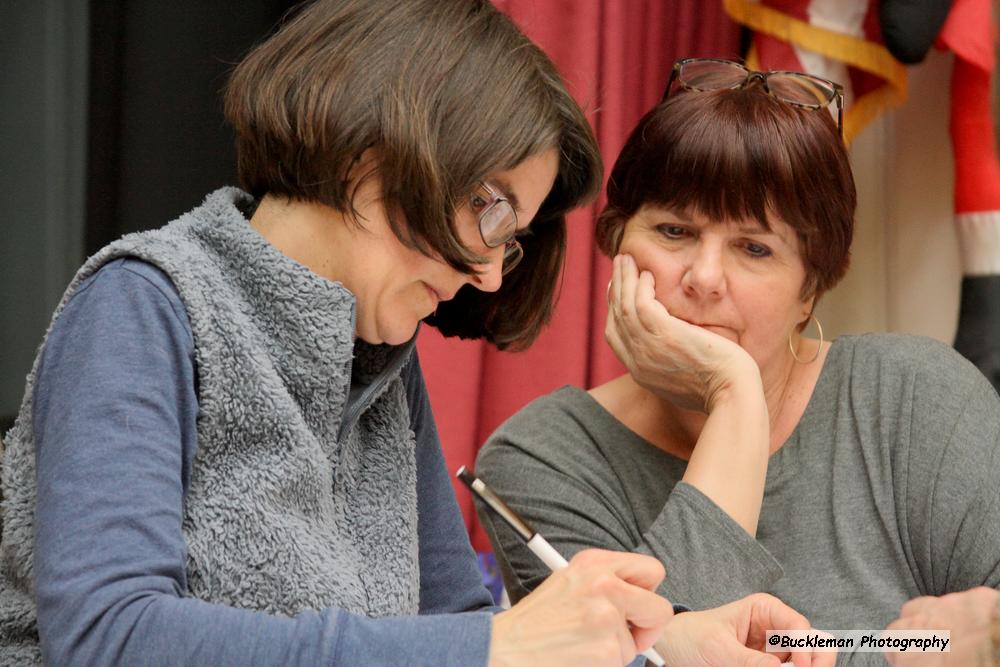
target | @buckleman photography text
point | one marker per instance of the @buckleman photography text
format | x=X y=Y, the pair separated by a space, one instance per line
x=860 y=641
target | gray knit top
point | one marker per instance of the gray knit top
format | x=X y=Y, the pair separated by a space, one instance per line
x=885 y=491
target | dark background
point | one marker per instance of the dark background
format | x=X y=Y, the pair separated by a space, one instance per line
x=110 y=122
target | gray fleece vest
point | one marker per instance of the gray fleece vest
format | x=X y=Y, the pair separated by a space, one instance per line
x=293 y=504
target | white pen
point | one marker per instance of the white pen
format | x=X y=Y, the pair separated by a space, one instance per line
x=538 y=545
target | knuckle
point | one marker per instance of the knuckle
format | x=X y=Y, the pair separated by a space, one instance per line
x=609 y=650
x=584 y=558
x=763 y=599
x=602 y=615
x=604 y=584
x=984 y=593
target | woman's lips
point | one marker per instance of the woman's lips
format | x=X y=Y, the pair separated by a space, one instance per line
x=437 y=296
x=703 y=325
x=720 y=329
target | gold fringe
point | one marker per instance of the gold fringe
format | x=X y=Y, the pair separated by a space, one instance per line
x=854 y=51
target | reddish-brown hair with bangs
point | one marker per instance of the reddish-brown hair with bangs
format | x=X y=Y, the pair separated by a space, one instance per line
x=738 y=154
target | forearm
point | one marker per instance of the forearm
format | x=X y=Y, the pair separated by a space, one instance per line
x=710 y=559
x=993 y=645
x=168 y=630
x=583 y=482
x=450 y=580
x=729 y=462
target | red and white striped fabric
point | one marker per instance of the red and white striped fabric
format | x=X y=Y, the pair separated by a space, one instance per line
x=838 y=40
x=969 y=32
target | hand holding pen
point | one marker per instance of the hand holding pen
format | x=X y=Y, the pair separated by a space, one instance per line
x=567 y=619
x=601 y=610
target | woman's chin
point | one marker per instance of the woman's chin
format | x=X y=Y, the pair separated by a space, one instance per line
x=396 y=333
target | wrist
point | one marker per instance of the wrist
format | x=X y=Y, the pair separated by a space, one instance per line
x=994 y=639
x=743 y=388
x=496 y=656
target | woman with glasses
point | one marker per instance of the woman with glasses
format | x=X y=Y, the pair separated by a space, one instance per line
x=226 y=456
x=844 y=477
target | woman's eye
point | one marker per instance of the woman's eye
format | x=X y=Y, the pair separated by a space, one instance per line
x=757 y=250
x=477 y=203
x=672 y=231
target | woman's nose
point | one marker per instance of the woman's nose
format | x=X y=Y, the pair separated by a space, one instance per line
x=705 y=274
x=490 y=275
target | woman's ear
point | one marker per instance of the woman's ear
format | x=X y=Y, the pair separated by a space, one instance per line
x=808 y=306
x=364 y=165
x=363 y=185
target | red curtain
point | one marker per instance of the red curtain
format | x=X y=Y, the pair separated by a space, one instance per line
x=615 y=56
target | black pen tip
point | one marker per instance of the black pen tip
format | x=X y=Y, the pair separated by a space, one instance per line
x=467 y=477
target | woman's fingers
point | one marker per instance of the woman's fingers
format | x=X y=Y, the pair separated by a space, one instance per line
x=636 y=569
x=637 y=312
x=770 y=613
x=617 y=331
x=615 y=286
x=601 y=610
x=651 y=314
x=629 y=275
x=629 y=290
x=919 y=605
x=626 y=579
x=613 y=335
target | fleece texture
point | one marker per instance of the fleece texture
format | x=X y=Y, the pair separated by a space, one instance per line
x=292 y=503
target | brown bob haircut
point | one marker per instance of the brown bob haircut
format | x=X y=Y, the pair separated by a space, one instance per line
x=446 y=92
x=736 y=154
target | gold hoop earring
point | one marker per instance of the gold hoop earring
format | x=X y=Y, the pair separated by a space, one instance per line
x=819 y=348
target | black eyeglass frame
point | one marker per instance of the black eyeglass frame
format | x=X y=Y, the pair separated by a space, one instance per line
x=513 y=252
x=838 y=90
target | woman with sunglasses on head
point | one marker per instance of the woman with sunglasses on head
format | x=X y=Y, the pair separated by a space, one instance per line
x=226 y=456
x=844 y=477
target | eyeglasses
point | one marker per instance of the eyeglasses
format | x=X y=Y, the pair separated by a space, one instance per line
x=796 y=88
x=497 y=224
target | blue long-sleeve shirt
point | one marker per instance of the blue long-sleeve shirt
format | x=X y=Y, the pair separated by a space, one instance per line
x=115 y=410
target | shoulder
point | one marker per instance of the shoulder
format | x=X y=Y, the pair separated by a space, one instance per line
x=914 y=364
x=896 y=346
x=135 y=272
x=556 y=428
x=934 y=402
x=566 y=411
x=127 y=286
